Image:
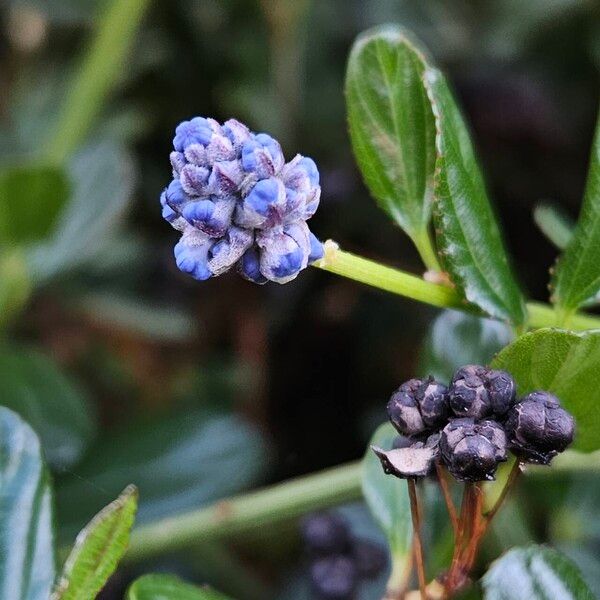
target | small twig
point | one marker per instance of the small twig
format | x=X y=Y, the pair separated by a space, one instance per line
x=443 y=481
x=478 y=529
x=516 y=470
x=417 y=542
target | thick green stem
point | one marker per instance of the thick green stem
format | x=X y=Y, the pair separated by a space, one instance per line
x=410 y=286
x=103 y=64
x=252 y=511
x=425 y=247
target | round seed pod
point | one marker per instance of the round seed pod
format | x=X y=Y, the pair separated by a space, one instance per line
x=501 y=390
x=403 y=409
x=494 y=432
x=468 y=394
x=538 y=428
x=467 y=451
x=334 y=578
x=432 y=399
x=325 y=533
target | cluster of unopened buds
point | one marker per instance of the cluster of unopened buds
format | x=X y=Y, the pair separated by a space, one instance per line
x=470 y=425
x=338 y=561
x=238 y=203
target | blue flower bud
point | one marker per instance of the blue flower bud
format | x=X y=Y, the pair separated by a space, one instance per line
x=212 y=217
x=249 y=267
x=263 y=206
x=191 y=254
x=193 y=179
x=195 y=131
x=316 y=248
x=174 y=195
x=229 y=250
x=238 y=204
x=262 y=155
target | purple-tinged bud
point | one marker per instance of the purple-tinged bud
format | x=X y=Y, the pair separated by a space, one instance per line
x=229 y=250
x=196 y=131
x=262 y=155
x=283 y=255
x=226 y=178
x=237 y=132
x=316 y=248
x=196 y=155
x=538 y=428
x=178 y=161
x=212 y=217
x=220 y=149
x=193 y=179
x=191 y=255
x=263 y=206
x=249 y=267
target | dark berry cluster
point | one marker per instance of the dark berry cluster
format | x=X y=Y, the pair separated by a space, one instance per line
x=338 y=560
x=470 y=425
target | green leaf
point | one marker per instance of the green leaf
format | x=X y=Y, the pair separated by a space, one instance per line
x=467 y=234
x=168 y=587
x=102 y=176
x=564 y=363
x=98 y=549
x=31 y=198
x=55 y=407
x=177 y=463
x=555 y=224
x=26 y=537
x=456 y=339
x=387 y=498
x=391 y=125
x=15 y=285
x=576 y=281
x=534 y=573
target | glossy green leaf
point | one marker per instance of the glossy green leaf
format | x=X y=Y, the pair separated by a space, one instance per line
x=564 y=363
x=102 y=176
x=391 y=125
x=555 y=224
x=98 y=549
x=534 y=573
x=576 y=280
x=456 y=339
x=387 y=498
x=467 y=233
x=177 y=463
x=168 y=587
x=54 y=406
x=26 y=537
x=31 y=198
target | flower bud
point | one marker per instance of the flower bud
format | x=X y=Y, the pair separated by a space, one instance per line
x=538 y=428
x=468 y=393
x=191 y=255
x=196 y=131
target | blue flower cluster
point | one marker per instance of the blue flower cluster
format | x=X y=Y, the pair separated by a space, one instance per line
x=238 y=203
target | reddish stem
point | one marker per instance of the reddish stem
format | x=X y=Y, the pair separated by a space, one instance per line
x=417 y=542
x=443 y=481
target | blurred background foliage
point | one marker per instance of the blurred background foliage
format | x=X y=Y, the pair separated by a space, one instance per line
x=131 y=372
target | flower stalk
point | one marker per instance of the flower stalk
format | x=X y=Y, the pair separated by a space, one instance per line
x=411 y=286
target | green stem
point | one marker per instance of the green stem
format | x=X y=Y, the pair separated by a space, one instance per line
x=102 y=65
x=252 y=511
x=425 y=247
x=410 y=286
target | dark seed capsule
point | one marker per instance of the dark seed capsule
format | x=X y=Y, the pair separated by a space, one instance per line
x=538 y=428
x=471 y=451
x=468 y=394
x=325 y=533
x=334 y=578
x=502 y=391
x=370 y=558
x=432 y=398
x=403 y=409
